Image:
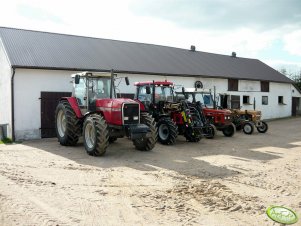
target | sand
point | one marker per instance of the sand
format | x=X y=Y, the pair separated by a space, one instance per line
x=224 y=181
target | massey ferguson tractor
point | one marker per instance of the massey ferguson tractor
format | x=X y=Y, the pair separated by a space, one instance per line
x=173 y=118
x=95 y=113
x=203 y=102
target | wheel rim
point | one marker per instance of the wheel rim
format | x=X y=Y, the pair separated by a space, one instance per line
x=247 y=128
x=90 y=135
x=163 y=131
x=61 y=123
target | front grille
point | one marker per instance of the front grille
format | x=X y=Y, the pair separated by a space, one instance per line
x=131 y=113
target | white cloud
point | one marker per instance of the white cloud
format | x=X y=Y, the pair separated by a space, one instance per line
x=292 y=42
x=115 y=19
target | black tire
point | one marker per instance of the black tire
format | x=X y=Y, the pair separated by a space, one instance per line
x=263 y=128
x=167 y=131
x=147 y=144
x=229 y=130
x=67 y=125
x=248 y=128
x=112 y=139
x=191 y=136
x=96 y=135
x=211 y=131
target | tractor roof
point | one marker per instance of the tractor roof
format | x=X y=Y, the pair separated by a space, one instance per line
x=92 y=74
x=158 y=83
x=193 y=90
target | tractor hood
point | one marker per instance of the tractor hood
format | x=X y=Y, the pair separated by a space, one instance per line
x=113 y=103
x=113 y=109
x=216 y=111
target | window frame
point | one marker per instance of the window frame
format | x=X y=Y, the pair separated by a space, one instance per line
x=267 y=100
x=265 y=86
x=281 y=100
x=232 y=84
x=246 y=102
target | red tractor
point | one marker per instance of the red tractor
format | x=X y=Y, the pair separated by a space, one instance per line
x=203 y=101
x=94 y=112
x=173 y=118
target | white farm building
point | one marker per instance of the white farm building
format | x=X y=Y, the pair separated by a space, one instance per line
x=35 y=69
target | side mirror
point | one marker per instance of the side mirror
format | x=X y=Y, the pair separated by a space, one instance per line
x=183 y=90
x=127 y=81
x=148 y=90
x=186 y=96
x=76 y=79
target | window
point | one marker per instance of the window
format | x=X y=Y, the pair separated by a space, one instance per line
x=265 y=86
x=246 y=99
x=280 y=100
x=265 y=100
x=232 y=85
x=235 y=102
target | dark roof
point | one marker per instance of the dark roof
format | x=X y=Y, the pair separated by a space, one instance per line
x=35 y=49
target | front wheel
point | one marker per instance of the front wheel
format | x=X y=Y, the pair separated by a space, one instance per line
x=147 y=143
x=95 y=133
x=191 y=135
x=167 y=131
x=211 y=131
x=248 y=128
x=229 y=130
x=263 y=127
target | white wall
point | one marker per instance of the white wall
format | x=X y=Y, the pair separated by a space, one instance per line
x=28 y=86
x=29 y=83
x=5 y=90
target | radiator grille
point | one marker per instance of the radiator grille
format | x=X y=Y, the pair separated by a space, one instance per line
x=131 y=113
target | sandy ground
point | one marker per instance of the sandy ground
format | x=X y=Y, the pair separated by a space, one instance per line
x=225 y=181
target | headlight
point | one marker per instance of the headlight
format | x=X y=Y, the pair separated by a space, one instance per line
x=126 y=118
x=135 y=117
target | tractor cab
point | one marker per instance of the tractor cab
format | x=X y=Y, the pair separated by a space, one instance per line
x=152 y=94
x=88 y=87
x=192 y=95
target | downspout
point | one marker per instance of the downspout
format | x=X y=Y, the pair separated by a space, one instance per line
x=13 y=104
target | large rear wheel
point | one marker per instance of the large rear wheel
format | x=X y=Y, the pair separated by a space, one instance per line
x=95 y=132
x=147 y=143
x=67 y=125
x=167 y=131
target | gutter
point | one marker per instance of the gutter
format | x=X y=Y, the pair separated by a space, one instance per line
x=13 y=104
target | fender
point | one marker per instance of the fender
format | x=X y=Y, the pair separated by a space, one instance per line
x=73 y=103
x=142 y=106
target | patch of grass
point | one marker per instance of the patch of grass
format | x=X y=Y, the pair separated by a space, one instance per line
x=6 y=141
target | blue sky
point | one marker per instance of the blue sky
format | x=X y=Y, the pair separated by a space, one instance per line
x=269 y=30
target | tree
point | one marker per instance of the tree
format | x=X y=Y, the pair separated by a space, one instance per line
x=295 y=76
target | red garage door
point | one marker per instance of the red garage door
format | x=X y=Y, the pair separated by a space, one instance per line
x=49 y=101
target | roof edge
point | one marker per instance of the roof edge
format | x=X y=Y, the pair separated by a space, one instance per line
x=139 y=73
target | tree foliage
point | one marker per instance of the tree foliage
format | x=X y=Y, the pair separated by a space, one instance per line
x=295 y=76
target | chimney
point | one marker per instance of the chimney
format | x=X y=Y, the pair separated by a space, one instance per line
x=192 y=48
x=233 y=54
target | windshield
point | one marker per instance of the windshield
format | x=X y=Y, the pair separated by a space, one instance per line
x=163 y=93
x=99 y=87
x=205 y=99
